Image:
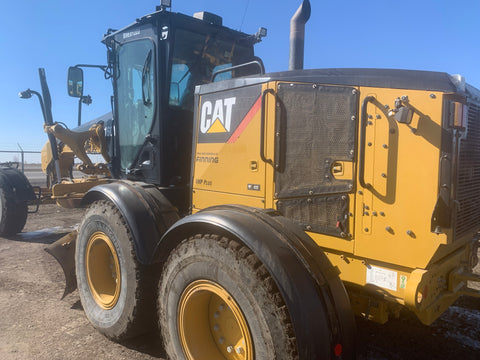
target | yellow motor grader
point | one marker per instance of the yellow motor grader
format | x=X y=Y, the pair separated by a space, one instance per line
x=250 y=215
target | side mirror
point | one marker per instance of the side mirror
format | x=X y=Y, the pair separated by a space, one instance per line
x=75 y=82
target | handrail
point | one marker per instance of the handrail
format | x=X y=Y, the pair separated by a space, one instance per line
x=254 y=62
x=262 y=126
x=363 y=127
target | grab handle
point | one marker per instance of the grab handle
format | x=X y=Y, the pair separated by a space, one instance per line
x=262 y=126
x=363 y=131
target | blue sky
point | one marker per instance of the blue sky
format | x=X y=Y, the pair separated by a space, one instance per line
x=55 y=34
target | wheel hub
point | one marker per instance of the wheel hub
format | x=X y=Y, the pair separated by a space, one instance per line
x=211 y=324
x=103 y=270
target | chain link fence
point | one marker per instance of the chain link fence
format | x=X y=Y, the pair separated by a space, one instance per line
x=20 y=157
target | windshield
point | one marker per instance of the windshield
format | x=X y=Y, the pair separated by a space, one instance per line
x=136 y=99
x=195 y=58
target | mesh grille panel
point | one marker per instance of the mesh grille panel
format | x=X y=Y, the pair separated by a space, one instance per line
x=324 y=214
x=468 y=176
x=316 y=129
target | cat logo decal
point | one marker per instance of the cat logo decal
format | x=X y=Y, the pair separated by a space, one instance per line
x=223 y=120
x=217 y=118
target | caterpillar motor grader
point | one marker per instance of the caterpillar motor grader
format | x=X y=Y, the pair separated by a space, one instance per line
x=251 y=214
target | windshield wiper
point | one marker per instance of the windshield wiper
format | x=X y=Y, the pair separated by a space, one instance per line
x=146 y=95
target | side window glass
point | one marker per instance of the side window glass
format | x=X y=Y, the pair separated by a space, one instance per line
x=196 y=56
x=223 y=76
x=180 y=79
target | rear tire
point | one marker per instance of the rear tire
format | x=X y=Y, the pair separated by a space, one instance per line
x=216 y=301
x=116 y=291
x=13 y=213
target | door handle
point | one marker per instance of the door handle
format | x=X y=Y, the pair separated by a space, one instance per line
x=337 y=168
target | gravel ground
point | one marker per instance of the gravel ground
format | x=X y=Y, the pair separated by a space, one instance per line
x=36 y=324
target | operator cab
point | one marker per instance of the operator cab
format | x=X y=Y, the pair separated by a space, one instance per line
x=156 y=64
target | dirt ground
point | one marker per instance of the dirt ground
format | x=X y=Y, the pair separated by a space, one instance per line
x=36 y=324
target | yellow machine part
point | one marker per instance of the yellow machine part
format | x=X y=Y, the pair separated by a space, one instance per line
x=233 y=172
x=390 y=253
x=80 y=143
x=69 y=194
x=393 y=216
x=65 y=156
x=393 y=253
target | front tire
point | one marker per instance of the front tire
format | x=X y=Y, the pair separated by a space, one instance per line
x=116 y=291
x=217 y=301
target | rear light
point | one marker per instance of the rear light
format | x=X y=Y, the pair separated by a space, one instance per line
x=338 y=350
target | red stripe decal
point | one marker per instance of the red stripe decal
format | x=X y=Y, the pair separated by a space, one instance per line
x=246 y=120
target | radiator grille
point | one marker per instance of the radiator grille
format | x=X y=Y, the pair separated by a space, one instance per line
x=468 y=176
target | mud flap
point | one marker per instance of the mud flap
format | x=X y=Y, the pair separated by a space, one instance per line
x=63 y=250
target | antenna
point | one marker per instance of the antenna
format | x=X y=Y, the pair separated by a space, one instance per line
x=244 y=14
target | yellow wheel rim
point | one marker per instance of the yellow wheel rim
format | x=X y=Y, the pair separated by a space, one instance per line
x=103 y=270
x=211 y=325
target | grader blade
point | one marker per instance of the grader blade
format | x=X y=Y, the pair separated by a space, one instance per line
x=63 y=250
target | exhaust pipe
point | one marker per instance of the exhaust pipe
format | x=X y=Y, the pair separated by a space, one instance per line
x=297 y=35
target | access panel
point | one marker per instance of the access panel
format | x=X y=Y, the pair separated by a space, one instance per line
x=315 y=149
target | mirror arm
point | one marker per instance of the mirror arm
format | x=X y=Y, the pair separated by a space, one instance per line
x=101 y=67
x=79 y=111
x=85 y=100
x=104 y=68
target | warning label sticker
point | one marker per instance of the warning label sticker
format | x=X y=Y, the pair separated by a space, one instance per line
x=386 y=279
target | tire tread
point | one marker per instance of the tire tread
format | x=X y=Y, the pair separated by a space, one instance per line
x=247 y=258
x=142 y=319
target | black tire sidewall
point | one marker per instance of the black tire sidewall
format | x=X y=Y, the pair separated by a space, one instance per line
x=113 y=322
x=13 y=214
x=210 y=261
x=3 y=211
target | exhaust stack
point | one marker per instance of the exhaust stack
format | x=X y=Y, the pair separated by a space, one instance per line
x=297 y=36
